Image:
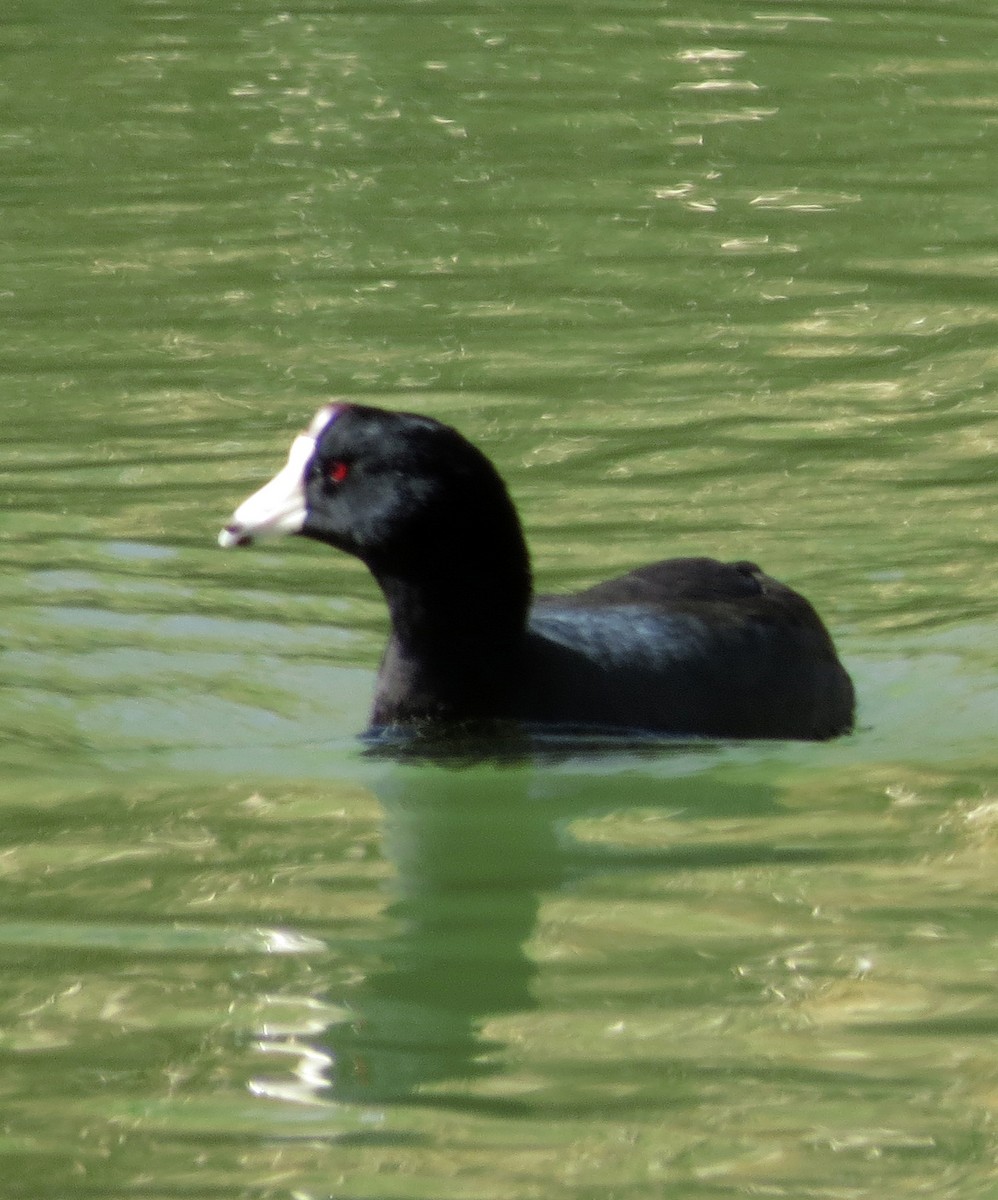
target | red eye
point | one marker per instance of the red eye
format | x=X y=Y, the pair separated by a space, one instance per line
x=337 y=471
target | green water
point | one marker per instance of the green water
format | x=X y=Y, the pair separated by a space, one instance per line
x=710 y=277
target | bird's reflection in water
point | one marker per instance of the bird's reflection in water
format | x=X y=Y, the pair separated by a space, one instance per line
x=474 y=846
x=472 y=858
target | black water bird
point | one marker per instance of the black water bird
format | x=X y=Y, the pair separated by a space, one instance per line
x=686 y=646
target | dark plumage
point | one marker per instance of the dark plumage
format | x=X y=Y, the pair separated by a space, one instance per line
x=687 y=646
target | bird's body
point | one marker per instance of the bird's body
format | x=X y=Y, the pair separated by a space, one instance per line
x=687 y=646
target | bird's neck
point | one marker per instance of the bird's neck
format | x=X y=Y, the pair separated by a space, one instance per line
x=456 y=643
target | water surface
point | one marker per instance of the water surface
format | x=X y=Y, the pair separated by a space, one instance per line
x=711 y=278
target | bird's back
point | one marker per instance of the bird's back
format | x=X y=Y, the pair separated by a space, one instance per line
x=687 y=646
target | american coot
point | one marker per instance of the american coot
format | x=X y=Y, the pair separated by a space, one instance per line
x=688 y=646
